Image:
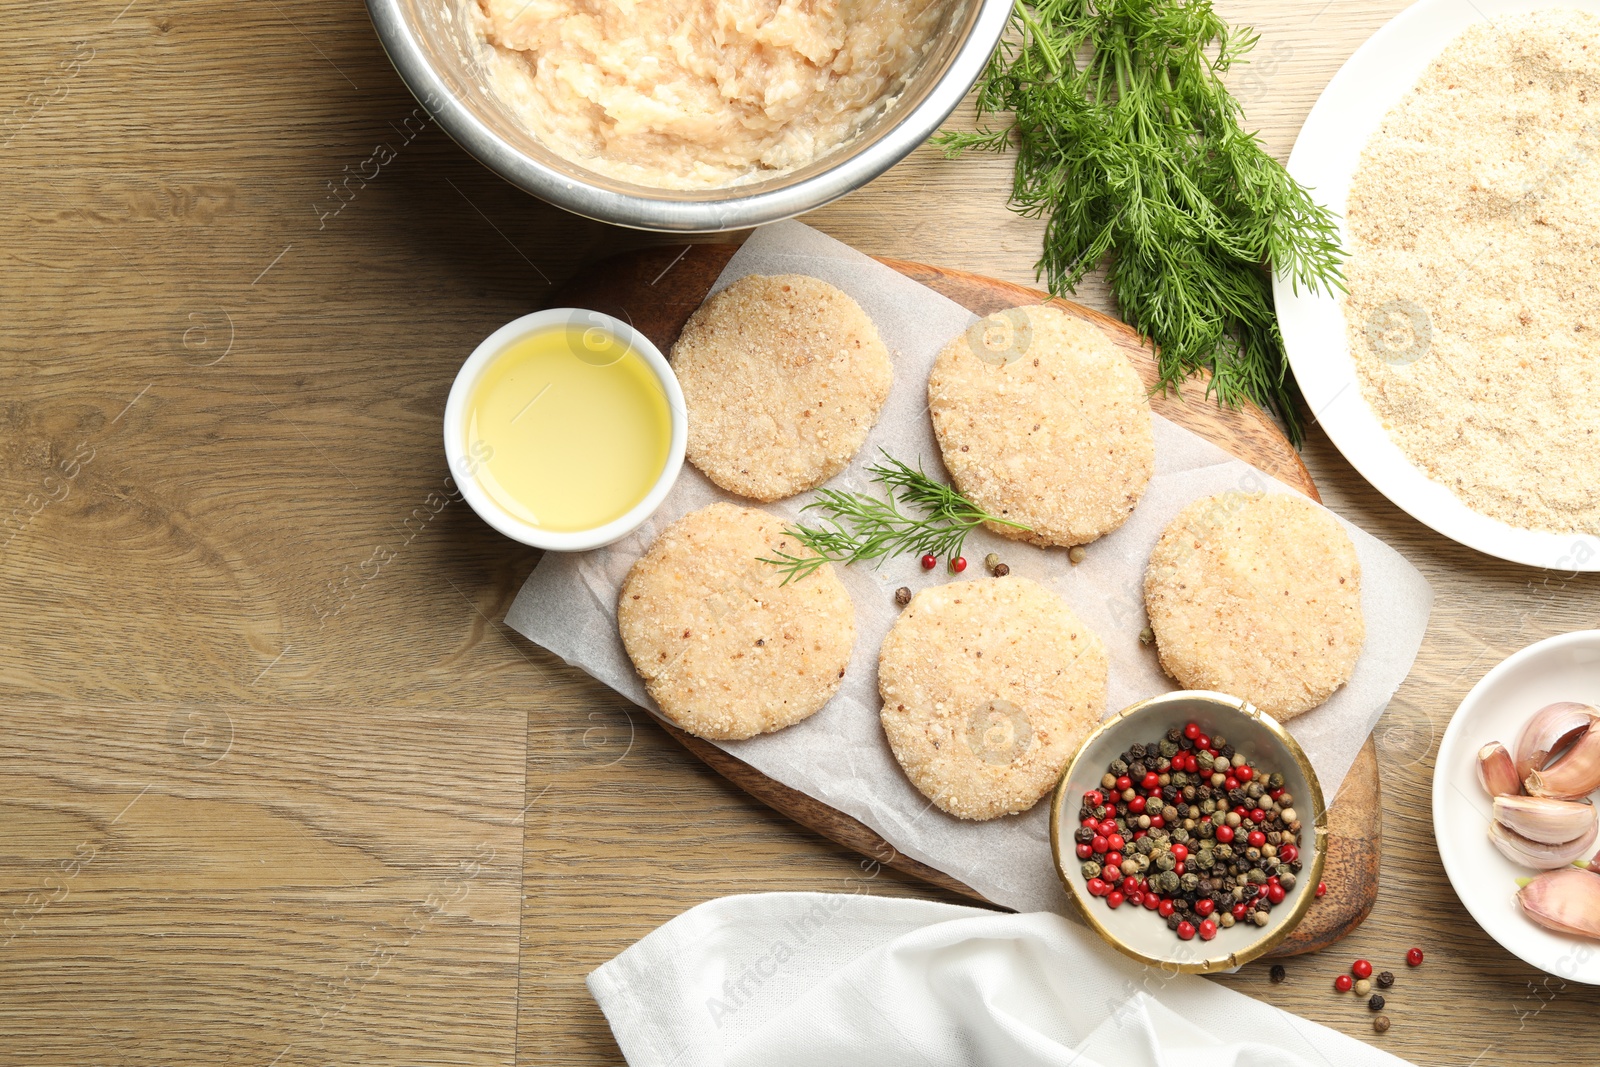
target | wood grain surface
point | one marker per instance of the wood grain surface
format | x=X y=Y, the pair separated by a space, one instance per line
x=229 y=602
x=656 y=290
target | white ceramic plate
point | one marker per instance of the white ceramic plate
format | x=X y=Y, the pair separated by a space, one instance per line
x=1560 y=668
x=1324 y=159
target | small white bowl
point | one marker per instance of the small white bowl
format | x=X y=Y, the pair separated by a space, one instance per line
x=1559 y=668
x=464 y=466
x=1138 y=933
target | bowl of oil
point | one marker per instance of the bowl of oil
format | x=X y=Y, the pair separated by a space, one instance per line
x=565 y=429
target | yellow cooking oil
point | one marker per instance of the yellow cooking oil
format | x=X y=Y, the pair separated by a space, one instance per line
x=574 y=425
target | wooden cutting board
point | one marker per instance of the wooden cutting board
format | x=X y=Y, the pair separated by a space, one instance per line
x=656 y=290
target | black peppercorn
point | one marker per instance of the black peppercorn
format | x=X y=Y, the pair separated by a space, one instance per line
x=1386 y=979
x=1375 y=1003
x=1001 y=570
x=902 y=596
x=1279 y=973
x=1381 y=1023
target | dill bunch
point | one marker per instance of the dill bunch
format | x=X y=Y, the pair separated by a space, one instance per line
x=1132 y=149
x=918 y=514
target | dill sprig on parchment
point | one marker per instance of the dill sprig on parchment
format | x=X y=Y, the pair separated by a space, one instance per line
x=1133 y=151
x=917 y=514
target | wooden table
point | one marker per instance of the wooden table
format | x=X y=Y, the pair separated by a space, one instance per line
x=276 y=787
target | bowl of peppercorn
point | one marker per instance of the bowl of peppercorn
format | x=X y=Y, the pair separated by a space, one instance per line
x=1188 y=831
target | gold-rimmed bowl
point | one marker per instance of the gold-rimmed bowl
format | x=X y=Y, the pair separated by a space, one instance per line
x=1140 y=933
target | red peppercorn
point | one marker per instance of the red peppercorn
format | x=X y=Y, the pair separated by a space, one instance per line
x=1179 y=869
x=1244 y=774
x=1111 y=814
x=1124 y=783
x=1115 y=898
x=1414 y=957
x=1097 y=887
x=1091 y=823
x=1186 y=931
x=1094 y=798
x=1230 y=783
x=1257 y=815
x=1274 y=793
x=1208 y=929
x=1202 y=741
x=1224 y=833
x=1151 y=901
x=1191 y=730
x=1255 y=839
x=1157 y=822
x=1085 y=850
x=929 y=561
x=1180 y=852
x=1276 y=893
x=1240 y=910
x=1204 y=906
x=1136 y=806
x=1113 y=859
x=958 y=564
x=1288 y=854
x=1138 y=834
x=1166 y=908
x=1343 y=983
x=1107 y=827
x=1361 y=969
x=1098 y=843
x=1150 y=781
x=1115 y=843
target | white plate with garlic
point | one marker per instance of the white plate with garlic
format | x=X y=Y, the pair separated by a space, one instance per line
x=1530 y=732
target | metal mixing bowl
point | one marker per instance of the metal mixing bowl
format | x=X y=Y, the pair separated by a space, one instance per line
x=431 y=44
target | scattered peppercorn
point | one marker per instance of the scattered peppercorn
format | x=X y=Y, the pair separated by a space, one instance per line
x=958 y=564
x=1414 y=958
x=902 y=596
x=1075 y=555
x=1386 y=979
x=991 y=561
x=1147 y=636
x=1381 y=1024
x=929 y=561
x=1375 y=1003
x=1361 y=969
x=1342 y=983
x=1322 y=888
x=1363 y=987
x=1279 y=973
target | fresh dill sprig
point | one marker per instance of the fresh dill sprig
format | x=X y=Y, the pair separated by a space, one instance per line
x=1133 y=151
x=918 y=514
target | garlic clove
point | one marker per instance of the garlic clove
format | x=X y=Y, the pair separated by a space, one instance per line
x=1537 y=854
x=1552 y=727
x=1575 y=773
x=1496 y=772
x=1551 y=822
x=1567 y=901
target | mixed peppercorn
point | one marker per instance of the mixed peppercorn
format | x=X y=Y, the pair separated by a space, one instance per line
x=1360 y=981
x=1187 y=828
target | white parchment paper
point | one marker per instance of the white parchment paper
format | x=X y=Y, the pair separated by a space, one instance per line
x=839 y=755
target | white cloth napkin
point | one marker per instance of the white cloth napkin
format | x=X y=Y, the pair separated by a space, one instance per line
x=827 y=980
